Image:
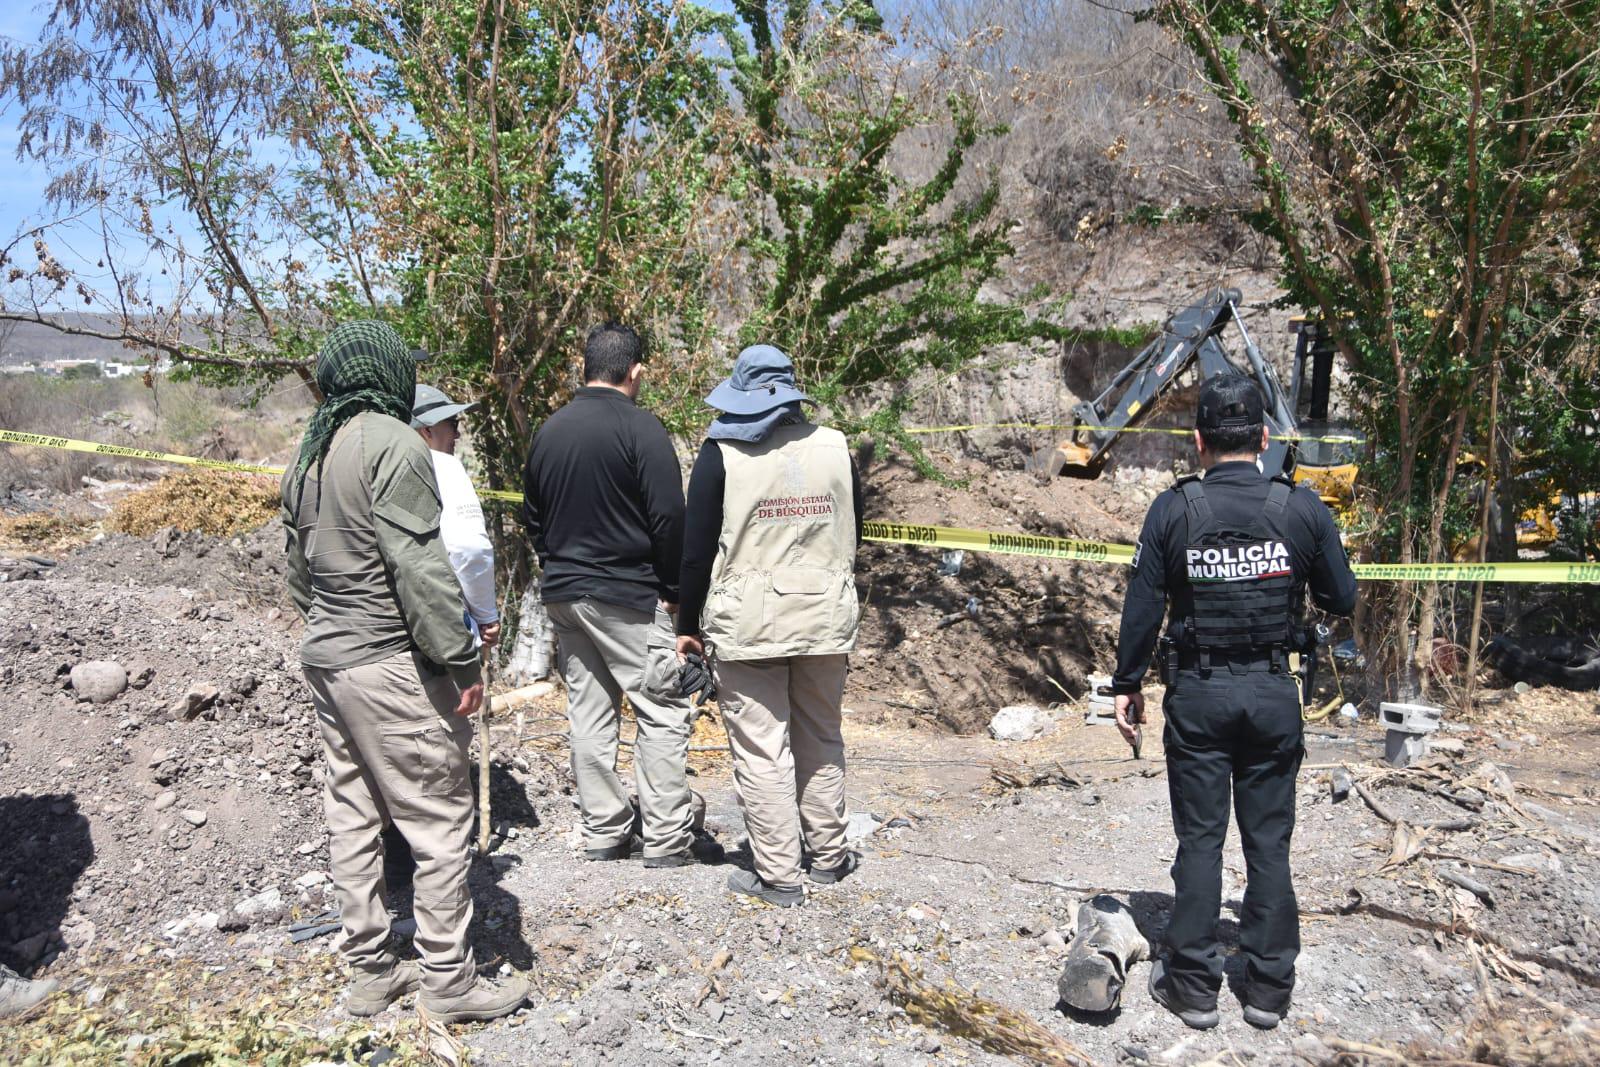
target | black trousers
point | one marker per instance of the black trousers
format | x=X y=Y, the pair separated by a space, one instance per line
x=1240 y=731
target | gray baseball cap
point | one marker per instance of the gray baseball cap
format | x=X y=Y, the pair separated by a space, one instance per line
x=431 y=407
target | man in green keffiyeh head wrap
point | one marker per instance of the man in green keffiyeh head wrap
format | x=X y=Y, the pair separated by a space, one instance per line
x=393 y=674
x=363 y=366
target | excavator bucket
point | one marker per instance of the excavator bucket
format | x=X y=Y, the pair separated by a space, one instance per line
x=1071 y=460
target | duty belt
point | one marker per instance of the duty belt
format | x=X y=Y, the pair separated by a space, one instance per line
x=1237 y=662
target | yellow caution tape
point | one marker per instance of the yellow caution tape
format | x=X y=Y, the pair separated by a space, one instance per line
x=67 y=444
x=1020 y=544
x=1478 y=572
x=1003 y=542
x=1175 y=430
x=1013 y=544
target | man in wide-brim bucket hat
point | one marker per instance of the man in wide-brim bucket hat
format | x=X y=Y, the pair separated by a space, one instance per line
x=769 y=614
x=392 y=671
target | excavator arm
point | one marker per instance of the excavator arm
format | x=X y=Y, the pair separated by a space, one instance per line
x=1192 y=336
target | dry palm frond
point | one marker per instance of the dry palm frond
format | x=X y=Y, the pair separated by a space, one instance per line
x=965 y=1014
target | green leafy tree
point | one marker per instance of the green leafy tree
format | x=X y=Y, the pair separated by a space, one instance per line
x=541 y=167
x=865 y=276
x=1429 y=173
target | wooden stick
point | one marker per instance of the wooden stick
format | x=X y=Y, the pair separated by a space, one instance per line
x=525 y=694
x=1471 y=885
x=1422 y=824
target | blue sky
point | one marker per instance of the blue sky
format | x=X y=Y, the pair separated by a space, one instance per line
x=21 y=183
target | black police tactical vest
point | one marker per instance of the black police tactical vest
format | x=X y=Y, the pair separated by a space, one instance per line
x=1242 y=579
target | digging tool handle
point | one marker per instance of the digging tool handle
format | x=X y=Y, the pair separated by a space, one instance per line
x=483 y=758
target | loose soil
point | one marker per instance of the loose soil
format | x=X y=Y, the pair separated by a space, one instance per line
x=155 y=858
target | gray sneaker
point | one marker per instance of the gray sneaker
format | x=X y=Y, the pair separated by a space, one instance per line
x=373 y=991
x=19 y=995
x=486 y=999
x=1261 y=1018
x=750 y=884
x=838 y=872
x=1161 y=993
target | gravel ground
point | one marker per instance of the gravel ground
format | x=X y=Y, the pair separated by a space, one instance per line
x=177 y=824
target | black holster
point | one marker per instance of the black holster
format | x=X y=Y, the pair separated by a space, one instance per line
x=1310 y=639
x=1167 y=660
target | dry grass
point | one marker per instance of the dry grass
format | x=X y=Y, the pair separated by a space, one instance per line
x=1508 y=1035
x=211 y=502
x=155 y=1012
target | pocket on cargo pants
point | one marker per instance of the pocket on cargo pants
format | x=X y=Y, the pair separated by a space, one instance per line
x=423 y=759
x=660 y=680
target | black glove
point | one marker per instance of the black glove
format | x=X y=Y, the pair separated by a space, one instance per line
x=694 y=679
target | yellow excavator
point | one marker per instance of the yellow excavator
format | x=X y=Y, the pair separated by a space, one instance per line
x=1302 y=441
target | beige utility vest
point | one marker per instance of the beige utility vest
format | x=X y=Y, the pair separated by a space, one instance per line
x=783 y=583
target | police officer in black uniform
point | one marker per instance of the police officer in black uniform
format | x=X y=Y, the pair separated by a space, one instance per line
x=1232 y=551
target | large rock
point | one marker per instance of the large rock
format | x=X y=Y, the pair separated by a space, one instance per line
x=197 y=699
x=1019 y=722
x=99 y=680
x=264 y=906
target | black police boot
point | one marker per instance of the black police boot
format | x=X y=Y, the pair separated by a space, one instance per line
x=702 y=849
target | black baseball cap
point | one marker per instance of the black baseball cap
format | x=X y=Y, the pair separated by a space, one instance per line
x=1229 y=400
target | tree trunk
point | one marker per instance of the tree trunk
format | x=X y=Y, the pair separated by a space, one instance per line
x=532 y=656
x=1506 y=533
x=1491 y=453
x=1426 y=616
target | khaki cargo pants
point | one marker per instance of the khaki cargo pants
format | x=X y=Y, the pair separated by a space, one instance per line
x=606 y=652
x=395 y=748
x=783 y=718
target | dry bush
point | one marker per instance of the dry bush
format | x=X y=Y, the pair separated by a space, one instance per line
x=1109 y=125
x=43 y=531
x=1504 y=1034
x=210 y=502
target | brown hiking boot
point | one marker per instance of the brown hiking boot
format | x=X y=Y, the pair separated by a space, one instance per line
x=19 y=995
x=373 y=991
x=486 y=999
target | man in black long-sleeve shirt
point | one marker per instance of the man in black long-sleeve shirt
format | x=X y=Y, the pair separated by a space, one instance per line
x=1233 y=554
x=603 y=507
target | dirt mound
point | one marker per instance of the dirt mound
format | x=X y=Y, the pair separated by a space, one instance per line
x=246 y=570
x=198 y=501
x=188 y=792
x=948 y=646
x=187 y=804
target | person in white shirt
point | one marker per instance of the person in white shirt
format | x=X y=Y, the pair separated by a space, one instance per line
x=437 y=419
